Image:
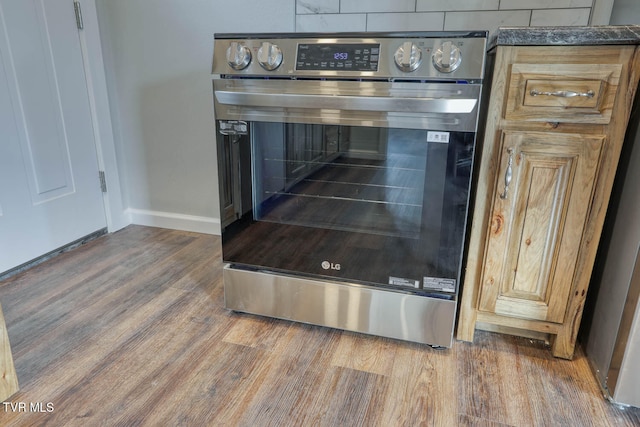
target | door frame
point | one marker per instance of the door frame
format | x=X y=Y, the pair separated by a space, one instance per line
x=92 y=56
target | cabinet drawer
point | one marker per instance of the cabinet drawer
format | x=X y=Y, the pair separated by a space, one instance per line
x=575 y=93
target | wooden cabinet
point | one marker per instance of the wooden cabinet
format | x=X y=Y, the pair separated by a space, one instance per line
x=556 y=121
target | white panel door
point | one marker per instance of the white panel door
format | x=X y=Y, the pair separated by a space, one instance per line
x=49 y=187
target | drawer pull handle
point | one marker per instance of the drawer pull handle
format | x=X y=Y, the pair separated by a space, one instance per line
x=508 y=174
x=563 y=93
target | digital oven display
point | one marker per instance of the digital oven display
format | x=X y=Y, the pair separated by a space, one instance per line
x=340 y=57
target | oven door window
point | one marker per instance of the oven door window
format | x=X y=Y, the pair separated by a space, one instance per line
x=356 y=179
x=365 y=180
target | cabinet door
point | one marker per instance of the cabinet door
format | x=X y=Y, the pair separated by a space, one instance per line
x=537 y=223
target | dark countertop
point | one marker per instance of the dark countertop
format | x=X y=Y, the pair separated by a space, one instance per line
x=566 y=36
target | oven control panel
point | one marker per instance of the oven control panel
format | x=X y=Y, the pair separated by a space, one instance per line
x=338 y=56
x=438 y=55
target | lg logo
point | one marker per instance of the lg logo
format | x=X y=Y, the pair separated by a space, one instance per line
x=330 y=266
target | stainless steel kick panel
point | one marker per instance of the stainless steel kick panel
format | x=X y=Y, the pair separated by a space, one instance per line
x=349 y=307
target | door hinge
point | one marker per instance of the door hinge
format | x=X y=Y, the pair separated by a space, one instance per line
x=103 y=181
x=78 y=9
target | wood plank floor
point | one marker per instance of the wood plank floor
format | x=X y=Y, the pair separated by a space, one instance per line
x=130 y=330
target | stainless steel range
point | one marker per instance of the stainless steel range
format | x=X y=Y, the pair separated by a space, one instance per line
x=344 y=165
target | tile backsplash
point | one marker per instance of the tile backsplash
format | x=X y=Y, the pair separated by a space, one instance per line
x=436 y=15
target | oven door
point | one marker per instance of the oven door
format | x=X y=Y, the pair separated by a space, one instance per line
x=371 y=187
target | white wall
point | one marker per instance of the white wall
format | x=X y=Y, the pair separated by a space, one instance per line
x=625 y=12
x=158 y=61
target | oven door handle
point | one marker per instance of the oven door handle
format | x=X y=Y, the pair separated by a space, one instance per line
x=348 y=102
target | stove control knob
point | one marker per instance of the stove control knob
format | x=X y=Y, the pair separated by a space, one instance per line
x=238 y=56
x=447 y=58
x=269 y=56
x=408 y=57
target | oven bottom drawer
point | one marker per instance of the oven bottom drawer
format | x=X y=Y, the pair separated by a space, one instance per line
x=349 y=307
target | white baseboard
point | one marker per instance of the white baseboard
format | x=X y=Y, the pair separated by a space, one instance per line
x=198 y=224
